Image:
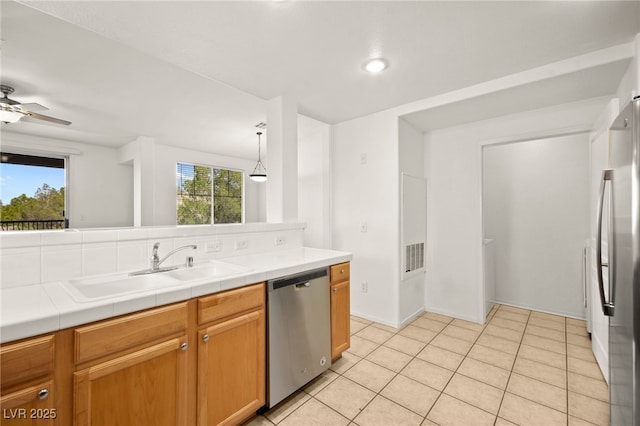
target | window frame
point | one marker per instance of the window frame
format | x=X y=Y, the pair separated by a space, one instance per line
x=212 y=215
x=66 y=159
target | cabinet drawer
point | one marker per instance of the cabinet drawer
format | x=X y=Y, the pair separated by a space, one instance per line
x=230 y=302
x=27 y=360
x=112 y=336
x=340 y=272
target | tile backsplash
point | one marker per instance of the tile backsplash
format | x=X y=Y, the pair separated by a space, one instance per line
x=35 y=257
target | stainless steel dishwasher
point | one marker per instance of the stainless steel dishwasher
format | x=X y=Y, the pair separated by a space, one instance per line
x=299 y=332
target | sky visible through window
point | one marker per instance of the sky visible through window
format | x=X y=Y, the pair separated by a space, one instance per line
x=16 y=180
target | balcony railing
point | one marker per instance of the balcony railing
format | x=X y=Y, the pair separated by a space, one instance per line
x=32 y=225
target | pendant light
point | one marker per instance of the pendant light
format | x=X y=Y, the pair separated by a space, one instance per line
x=259 y=171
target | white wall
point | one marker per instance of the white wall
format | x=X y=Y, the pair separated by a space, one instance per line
x=454 y=211
x=314 y=181
x=368 y=193
x=411 y=162
x=536 y=209
x=599 y=161
x=282 y=150
x=100 y=190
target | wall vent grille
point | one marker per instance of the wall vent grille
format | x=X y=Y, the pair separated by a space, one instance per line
x=414 y=257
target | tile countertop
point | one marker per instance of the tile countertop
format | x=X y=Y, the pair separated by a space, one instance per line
x=32 y=310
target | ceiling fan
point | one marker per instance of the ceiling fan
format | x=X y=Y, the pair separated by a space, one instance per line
x=12 y=111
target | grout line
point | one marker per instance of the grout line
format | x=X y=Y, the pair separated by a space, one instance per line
x=329 y=407
x=512 y=367
x=410 y=361
x=465 y=356
x=393 y=378
x=456 y=370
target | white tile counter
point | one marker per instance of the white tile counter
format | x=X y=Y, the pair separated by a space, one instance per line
x=27 y=311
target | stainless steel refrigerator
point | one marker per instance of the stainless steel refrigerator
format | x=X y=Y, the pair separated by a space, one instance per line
x=618 y=263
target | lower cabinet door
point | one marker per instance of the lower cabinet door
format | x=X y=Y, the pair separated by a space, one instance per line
x=31 y=406
x=231 y=370
x=146 y=387
x=340 y=319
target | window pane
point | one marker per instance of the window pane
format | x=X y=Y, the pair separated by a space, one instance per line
x=32 y=192
x=227 y=196
x=193 y=184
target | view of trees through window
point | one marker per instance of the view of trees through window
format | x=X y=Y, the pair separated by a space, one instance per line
x=32 y=192
x=208 y=195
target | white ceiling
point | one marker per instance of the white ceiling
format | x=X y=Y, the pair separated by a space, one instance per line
x=590 y=83
x=112 y=93
x=197 y=74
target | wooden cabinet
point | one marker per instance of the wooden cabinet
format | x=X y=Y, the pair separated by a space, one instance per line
x=201 y=361
x=340 y=310
x=231 y=355
x=133 y=370
x=27 y=383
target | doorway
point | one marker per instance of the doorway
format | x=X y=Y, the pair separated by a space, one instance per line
x=536 y=212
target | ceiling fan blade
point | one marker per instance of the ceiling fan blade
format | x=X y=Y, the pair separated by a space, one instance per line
x=46 y=118
x=33 y=106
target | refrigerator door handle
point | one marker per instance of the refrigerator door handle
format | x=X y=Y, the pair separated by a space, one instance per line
x=607 y=307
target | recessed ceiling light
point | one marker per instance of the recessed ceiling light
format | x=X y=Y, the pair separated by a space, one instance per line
x=376 y=65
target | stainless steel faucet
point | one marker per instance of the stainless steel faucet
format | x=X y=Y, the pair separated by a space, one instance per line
x=155 y=259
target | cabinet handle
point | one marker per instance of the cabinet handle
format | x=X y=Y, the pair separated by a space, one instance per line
x=205 y=338
x=43 y=394
x=184 y=346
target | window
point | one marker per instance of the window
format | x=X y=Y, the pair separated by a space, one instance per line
x=32 y=192
x=206 y=195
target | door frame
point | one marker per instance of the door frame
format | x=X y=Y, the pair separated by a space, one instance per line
x=492 y=142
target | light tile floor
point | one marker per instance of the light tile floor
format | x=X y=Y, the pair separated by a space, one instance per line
x=521 y=368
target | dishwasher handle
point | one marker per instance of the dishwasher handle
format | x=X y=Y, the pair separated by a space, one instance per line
x=300 y=280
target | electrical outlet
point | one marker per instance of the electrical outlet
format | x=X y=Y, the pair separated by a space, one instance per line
x=213 y=246
x=363 y=227
x=242 y=244
x=280 y=241
x=363 y=158
x=364 y=287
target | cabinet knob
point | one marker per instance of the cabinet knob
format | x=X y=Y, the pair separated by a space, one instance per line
x=335 y=290
x=342 y=271
x=184 y=346
x=43 y=394
x=205 y=338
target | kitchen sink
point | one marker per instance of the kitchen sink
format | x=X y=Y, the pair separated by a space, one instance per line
x=96 y=288
x=212 y=269
x=101 y=287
